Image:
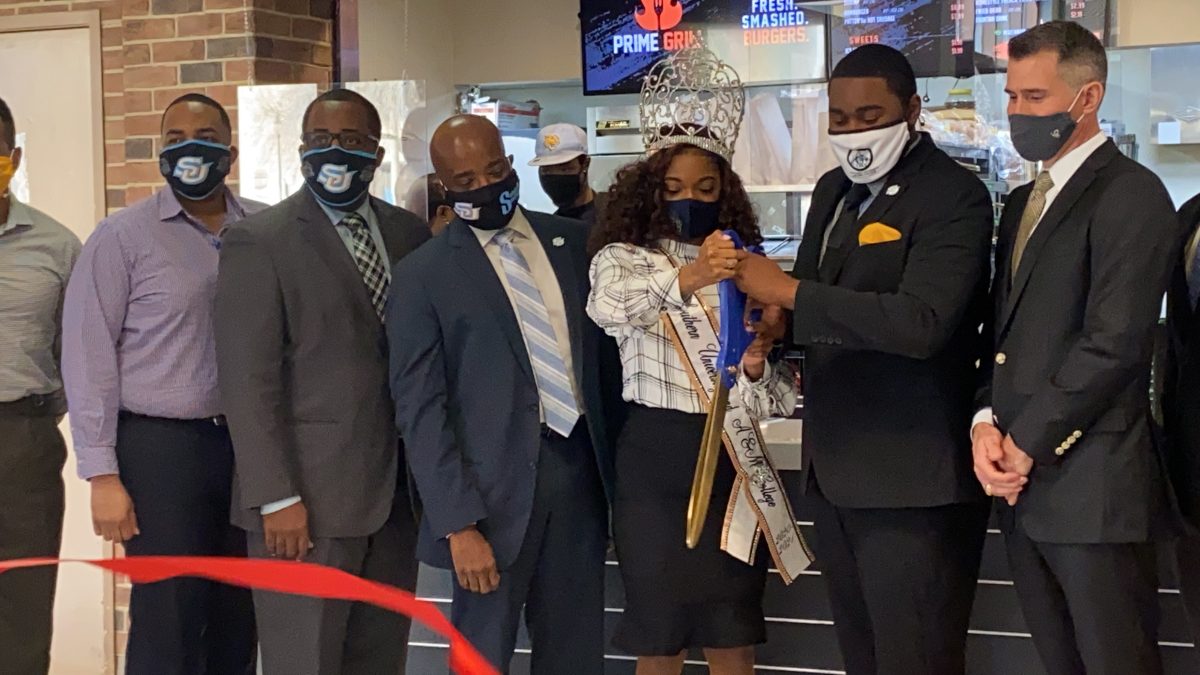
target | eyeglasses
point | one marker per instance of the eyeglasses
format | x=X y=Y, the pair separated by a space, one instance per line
x=347 y=140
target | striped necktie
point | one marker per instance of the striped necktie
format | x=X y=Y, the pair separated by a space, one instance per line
x=370 y=265
x=549 y=367
x=1030 y=217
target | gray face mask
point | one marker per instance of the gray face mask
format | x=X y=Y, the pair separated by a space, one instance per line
x=1038 y=138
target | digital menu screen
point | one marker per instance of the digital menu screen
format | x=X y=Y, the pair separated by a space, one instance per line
x=763 y=40
x=936 y=35
x=1091 y=14
x=996 y=23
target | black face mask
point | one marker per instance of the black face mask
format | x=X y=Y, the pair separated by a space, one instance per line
x=490 y=207
x=1038 y=138
x=338 y=178
x=563 y=189
x=695 y=219
x=195 y=169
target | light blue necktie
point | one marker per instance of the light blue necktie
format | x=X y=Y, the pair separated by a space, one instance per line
x=1193 y=279
x=549 y=368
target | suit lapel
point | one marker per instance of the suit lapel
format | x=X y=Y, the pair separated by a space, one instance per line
x=324 y=238
x=561 y=259
x=820 y=216
x=392 y=241
x=1051 y=221
x=474 y=262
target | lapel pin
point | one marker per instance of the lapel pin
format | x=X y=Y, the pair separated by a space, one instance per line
x=893 y=190
x=559 y=241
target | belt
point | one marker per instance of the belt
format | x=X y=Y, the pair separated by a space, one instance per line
x=217 y=420
x=36 y=405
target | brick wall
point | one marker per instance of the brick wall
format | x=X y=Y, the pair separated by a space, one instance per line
x=155 y=50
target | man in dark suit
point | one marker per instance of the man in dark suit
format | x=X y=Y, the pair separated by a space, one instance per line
x=889 y=287
x=1064 y=434
x=302 y=359
x=499 y=398
x=1181 y=403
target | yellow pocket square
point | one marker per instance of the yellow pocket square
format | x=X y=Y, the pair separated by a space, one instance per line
x=877 y=233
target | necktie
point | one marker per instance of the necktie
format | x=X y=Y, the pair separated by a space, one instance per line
x=549 y=367
x=370 y=265
x=846 y=224
x=1031 y=216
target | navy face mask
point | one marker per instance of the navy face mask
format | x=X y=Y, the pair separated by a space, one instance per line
x=1038 y=138
x=694 y=218
x=195 y=169
x=338 y=178
x=490 y=207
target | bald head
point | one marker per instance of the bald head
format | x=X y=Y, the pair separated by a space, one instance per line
x=468 y=153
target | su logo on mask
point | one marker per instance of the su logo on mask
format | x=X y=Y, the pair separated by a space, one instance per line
x=507 y=201
x=192 y=170
x=336 y=177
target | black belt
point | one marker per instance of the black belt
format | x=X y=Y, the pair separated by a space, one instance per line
x=218 y=420
x=36 y=405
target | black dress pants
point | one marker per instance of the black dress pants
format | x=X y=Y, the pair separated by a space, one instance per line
x=32 y=454
x=179 y=474
x=901 y=583
x=1092 y=608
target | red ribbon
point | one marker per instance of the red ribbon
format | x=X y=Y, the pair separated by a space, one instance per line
x=314 y=581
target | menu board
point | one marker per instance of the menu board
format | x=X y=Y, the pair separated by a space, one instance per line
x=936 y=35
x=765 y=41
x=1091 y=14
x=996 y=23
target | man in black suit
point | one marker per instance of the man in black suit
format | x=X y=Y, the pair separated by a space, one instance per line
x=498 y=395
x=1064 y=434
x=1181 y=403
x=302 y=359
x=889 y=287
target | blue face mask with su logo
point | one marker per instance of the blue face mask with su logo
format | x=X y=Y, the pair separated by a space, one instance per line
x=490 y=207
x=338 y=178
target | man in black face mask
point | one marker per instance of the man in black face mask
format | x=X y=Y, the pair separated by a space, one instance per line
x=499 y=400
x=887 y=293
x=563 y=163
x=303 y=374
x=1064 y=431
x=146 y=417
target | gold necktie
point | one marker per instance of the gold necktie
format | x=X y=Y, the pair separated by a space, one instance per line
x=1031 y=216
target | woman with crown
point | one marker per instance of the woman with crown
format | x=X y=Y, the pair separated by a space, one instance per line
x=661 y=250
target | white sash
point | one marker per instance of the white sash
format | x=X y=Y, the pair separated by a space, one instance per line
x=757 y=504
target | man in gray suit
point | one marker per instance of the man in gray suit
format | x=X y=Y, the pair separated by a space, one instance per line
x=302 y=360
x=498 y=393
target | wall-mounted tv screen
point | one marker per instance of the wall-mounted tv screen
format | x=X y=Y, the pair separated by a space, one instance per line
x=765 y=41
x=936 y=35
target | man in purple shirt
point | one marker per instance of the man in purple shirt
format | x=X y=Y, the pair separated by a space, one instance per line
x=141 y=378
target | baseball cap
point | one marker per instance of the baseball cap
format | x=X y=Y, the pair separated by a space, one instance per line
x=559 y=144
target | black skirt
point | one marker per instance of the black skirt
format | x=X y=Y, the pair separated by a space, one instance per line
x=677 y=598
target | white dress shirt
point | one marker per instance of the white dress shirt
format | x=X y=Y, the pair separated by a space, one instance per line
x=1061 y=173
x=530 y=246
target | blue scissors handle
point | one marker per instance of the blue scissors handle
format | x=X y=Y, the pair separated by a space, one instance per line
x=734 y=336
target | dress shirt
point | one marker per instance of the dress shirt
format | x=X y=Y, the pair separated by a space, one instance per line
x=36 y=257
x=631 y=288
x=530 y=246
x=137 y=323
x=368 y=214
x=1061 y=173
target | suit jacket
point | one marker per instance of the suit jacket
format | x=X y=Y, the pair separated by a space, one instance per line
x=890 y=340
x=1181 y=378
x=302 y=368
x=1068 y=374
x=466 y=399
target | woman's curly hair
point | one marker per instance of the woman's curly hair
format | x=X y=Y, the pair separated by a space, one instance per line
x=635 y=209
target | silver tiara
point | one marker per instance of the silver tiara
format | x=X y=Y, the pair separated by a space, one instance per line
x=695 y=98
